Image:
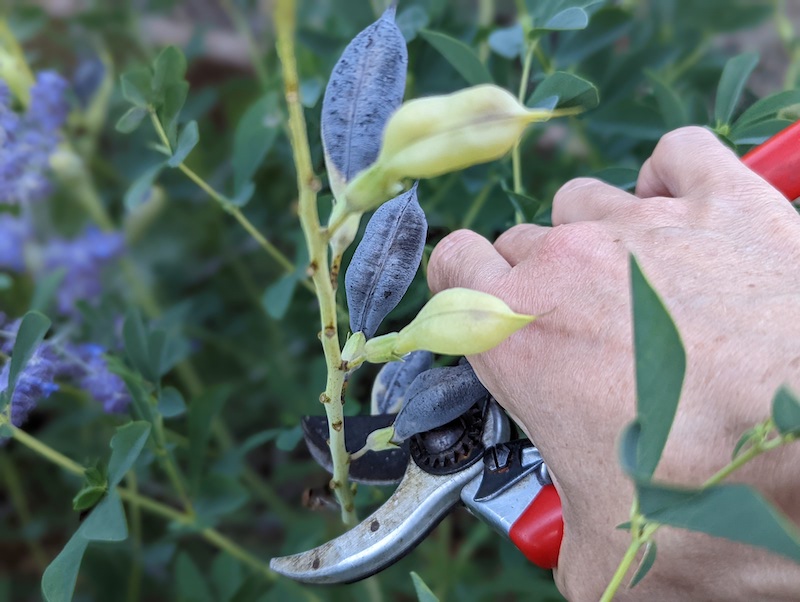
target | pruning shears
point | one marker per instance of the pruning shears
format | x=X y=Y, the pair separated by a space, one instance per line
x=471 y=459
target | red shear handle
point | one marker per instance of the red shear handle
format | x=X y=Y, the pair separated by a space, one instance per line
x=538 y=531
x=778 y=161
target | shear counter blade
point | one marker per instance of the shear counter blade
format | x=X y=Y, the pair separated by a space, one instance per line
x=416 y=507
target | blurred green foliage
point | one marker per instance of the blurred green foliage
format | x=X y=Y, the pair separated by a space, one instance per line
x=226 y=360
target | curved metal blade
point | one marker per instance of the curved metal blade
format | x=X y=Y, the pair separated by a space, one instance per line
x=417 y=505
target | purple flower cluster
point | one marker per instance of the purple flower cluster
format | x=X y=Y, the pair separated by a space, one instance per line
x=82 y=260
x=28 y=140
x=34 y=384
x=90 y=372
x=14 y=231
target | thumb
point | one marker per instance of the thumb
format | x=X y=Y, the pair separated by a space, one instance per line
x=466 y=259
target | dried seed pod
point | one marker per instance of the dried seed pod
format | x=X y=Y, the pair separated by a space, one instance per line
x=436 y=397
x=392 y=382
x=385 y=262
x=431 y=136
x=365 y=88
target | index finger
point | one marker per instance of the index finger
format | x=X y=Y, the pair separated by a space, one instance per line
x=466 y=259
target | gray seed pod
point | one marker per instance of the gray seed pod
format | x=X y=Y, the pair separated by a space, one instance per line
x=365 y=88
x=392 y=382
x=385 y=261
x=436 y=397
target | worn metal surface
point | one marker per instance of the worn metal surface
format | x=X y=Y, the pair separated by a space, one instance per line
x=417 y=505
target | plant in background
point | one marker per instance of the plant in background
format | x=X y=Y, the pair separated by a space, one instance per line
x=182 y=336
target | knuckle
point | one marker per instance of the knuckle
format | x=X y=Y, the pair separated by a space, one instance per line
x=579 y=241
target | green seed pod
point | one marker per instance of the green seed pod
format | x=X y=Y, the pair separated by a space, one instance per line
x=456 y=321
x=436 y=397
x=365 y=88
x=392 y=382
x=385 y=262
x=432 y=136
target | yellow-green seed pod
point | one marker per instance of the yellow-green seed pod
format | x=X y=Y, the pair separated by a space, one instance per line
x=460 y=321
x=432 y=136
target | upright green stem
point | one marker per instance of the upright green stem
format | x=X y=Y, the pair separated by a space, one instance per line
x=168 y=463
x=135 y=525
x=317 y=241
x=243 y=27
x=516 y=159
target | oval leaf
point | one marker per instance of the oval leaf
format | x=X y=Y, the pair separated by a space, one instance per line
x=365 y=88
x=436 y=397
x=460 y=56
x=385 y=262
x=392 y=382
x=734 y=77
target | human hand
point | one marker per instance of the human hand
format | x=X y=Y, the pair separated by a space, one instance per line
x=722 y=248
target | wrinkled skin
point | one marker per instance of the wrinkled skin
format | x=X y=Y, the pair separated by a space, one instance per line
x=722 y=248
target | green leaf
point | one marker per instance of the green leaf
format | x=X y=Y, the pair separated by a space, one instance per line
x=170 y=110
x=660 y=367
x=289 y=438
x=126 y=446
x=735 y=512
x=135 y=336
x=786 y=412
x=672 y=109
x=169 y=68
x=227 y=575
x=58 y=580
x=766 y=108
x=460 y=56
x=171 y=403
x=187 y=140
x=424 y=593
x=570 y=18
x=204 y=409
x=571 y=91
x=526 y=207
x=141 y=188
x=218 y=495
x=136 y=86
x=605 y=27
x=46 y=288
x=745 y=441
x=278 y=296
x=190 y=583
x=410 y=20
x=648 y=559
x=628 y=451
x=756 y=133
x=105 y=523
x=131 y=120
x=29 y=336
x=734 y=77
x=88 y=497
x=255 y=135
x=508 y=42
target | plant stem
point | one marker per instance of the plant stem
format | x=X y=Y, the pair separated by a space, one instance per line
x=243 y=27
x=307 y=185
x=46 y=451
x=240 y=217
x=477 y=204
x=168 y=463
x=516 y=159
x=622 y=570
x=135 y=523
